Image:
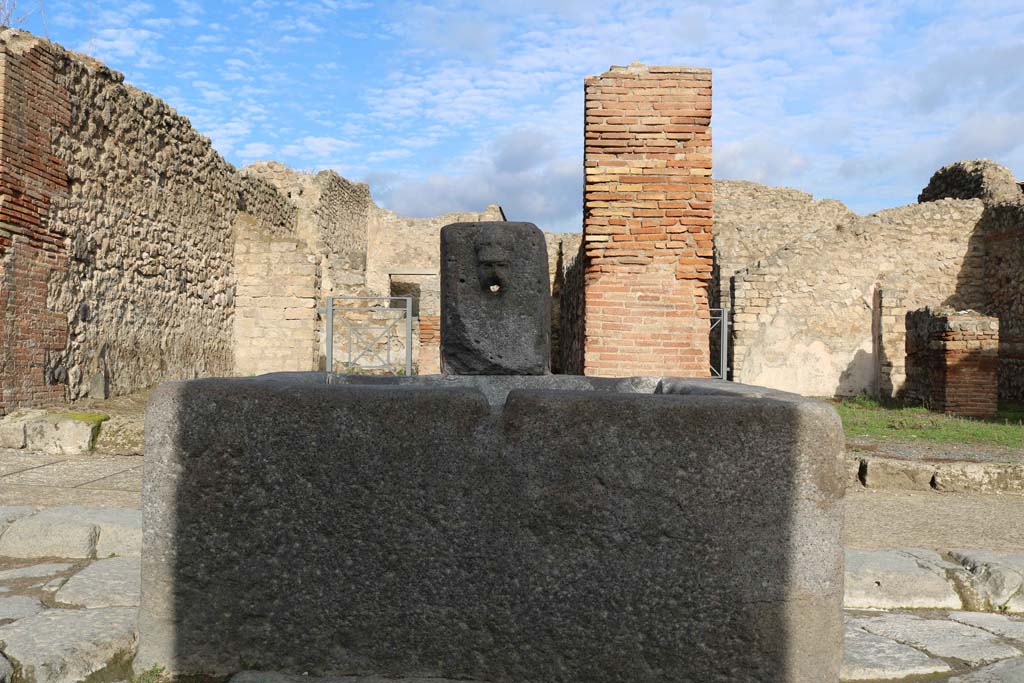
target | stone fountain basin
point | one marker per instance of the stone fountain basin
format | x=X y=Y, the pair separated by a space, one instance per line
x=512 y=528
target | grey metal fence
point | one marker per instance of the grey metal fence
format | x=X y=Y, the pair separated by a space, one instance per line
x=374 y=334
x=720 y=343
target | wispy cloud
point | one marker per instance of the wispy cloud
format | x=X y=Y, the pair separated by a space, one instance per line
x=461 y=103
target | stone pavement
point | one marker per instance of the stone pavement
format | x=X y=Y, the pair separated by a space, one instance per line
x=40 y=480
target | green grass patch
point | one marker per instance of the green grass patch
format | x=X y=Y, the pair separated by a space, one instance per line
x=866 y=417
x=91 y=418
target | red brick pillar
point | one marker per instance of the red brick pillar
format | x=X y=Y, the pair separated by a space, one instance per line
x=430 y=345
x=32 y=106
x=647 y=221
x=953 y=361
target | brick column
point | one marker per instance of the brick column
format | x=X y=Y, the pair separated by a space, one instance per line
x=647 y=221
x=32 y=337
x=430 y=345
x=953 y=361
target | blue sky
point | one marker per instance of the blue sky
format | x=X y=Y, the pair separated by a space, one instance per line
x=446 y=106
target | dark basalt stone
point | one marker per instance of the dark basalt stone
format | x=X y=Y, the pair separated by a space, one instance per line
x=495 y=299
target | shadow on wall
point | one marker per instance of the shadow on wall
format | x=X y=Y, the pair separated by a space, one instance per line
x=859 y=373
x=387 y=527
x=992 y=283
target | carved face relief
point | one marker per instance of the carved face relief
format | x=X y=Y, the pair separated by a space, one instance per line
x=493 y=258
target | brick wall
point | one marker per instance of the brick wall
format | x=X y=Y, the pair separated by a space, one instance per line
x=953 y=361
x=32 y=251
x=430 y=345
x=647 y=221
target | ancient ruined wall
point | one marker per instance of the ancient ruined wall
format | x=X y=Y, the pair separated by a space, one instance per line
x=562 y=248
x=117 y=233
x=275 y=321
x=803 y=317
x=1000 y=238
x=647 y=221
x=148 y=215
x=570 y=285
x=952 y=361
x=1003 y=240
x=976 y=179
x=32 y=249
x=407 y=250
x=332 y=217
x=753 y=221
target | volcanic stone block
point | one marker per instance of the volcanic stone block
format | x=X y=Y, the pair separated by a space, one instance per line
x=571 y=529
x=495 y=299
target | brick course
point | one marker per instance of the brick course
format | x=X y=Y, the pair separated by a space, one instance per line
x=647 y=221
x=32 y=250
x=953 y=361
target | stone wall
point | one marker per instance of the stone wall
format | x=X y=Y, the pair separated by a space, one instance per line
x=803 y=317
x=135 y=210
x=1003 y=238
x=569 y=285
x=332 y=217
x=753 y=221
x=978 y=179
x=275 y=321
x=647 y=221
x=952 y=361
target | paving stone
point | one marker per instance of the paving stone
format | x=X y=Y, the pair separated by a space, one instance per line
x=869 y=656
x=104 y=583
x=1007 y=671
x=120 y=530
x=1000 y=624
x=75 y=531
x=19 y=461
x=66 y=646
x=68 y=473
x=35 y=570
x=903 y=578
x=12 y=513
x=996 y=580
x=49 y=534
x=939 y=637
x=19 y=607
x=128 y=480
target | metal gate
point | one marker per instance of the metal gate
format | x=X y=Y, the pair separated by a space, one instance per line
x=719 y=342
x=374 y=334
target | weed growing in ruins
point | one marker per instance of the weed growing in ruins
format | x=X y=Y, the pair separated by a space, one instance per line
x=863 y=416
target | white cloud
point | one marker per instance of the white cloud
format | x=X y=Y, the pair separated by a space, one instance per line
x=255 y=151
x=313 y=149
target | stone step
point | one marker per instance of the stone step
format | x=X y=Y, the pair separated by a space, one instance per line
x=951 y=476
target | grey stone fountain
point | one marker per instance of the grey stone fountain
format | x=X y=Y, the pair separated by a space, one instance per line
x=494 y=523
